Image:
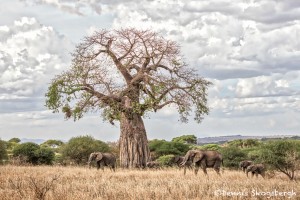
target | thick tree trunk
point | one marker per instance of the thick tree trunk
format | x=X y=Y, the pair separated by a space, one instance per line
x=134 y=151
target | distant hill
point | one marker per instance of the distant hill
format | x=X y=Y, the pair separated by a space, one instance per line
x=223 y=139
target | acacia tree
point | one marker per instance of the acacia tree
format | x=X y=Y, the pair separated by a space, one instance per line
x=124 y=74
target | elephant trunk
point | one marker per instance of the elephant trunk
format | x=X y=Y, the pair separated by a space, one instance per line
x=185 y=159
x=89 y=161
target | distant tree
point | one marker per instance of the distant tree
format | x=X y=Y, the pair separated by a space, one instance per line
x=236 y=143
x=232 y=156
x=79 y=148
x=16 y=140
x=162 y=147
x=3 y=152
x=27 y=150
x=283 y=156
x=213 y=147
x=125 y=74
x=53 y=144
x=187 y=139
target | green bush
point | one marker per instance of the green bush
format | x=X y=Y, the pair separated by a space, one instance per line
x=162 y=147
x=232 y=156
x=79 y=148
x=27 y=150
x=34 y=154
x=45 y=155
x=165 y=160
x=3 y=152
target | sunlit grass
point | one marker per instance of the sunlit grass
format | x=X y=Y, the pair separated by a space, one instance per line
x=82 y=183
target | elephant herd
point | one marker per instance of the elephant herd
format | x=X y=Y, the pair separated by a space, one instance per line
x=200 y=158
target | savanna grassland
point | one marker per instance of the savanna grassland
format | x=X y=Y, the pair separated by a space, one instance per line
x=80 y=183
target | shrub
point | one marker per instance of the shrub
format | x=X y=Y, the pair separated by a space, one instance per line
x=33 y=153
x=165 y=160
x=79 y=148
x=3 y=152
x=27 y=150
x=44 y=155
x=232 y=156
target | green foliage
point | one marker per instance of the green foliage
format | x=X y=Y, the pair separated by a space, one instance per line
x=165 y=160
x=53 y=144
x=186 y=139
x=162 y=147
x=282 y=155
x=213 y=147
x=3 y=152
x=34 y=154
x=244 y=143
x=15 y=140
x=79 y=148
x=232 y=156
x=45 y=155
x=27 y=150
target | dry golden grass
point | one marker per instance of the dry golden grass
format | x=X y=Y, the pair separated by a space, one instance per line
x=72 y=183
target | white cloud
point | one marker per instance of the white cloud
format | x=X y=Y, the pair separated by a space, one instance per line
x=30 y=54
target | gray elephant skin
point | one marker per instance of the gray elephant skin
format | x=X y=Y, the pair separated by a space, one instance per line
x=177 y=160
x=244 y=164
x=204 y=159
x=256 y=169
x=103 y=159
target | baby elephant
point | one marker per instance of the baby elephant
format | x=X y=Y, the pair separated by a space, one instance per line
x=152 y=164
x=244 y=164
x=256 y=169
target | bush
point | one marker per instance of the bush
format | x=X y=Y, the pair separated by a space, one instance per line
x=27 y=150
x=232 y=156
x=33 y=153
x=165 y=160
x=79 y=148
x=45 y=155
x=213 y=147
x=3 y=152
x=162 y=147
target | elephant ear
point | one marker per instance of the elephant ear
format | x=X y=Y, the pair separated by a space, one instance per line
x=99 y=156
x=198 y=156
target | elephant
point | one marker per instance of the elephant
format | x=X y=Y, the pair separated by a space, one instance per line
x=153 y=164
x=256 y=169
x=244 y=164
x=103 y=159
x=204 y=159
x=179 y=159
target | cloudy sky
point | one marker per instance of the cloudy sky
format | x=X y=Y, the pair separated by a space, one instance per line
x=249 y=49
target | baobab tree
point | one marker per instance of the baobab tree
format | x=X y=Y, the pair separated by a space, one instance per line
x=124 y=74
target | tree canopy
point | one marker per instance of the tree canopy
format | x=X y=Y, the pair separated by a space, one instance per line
x=188 y=139
x=283 y=156
x=149 y=71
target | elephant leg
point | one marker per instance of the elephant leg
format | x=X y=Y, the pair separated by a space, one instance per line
x=184 y=170
x=253 y=174
x=98 y=165
x=196 y=168
x=218 y=171
x=204 y=170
